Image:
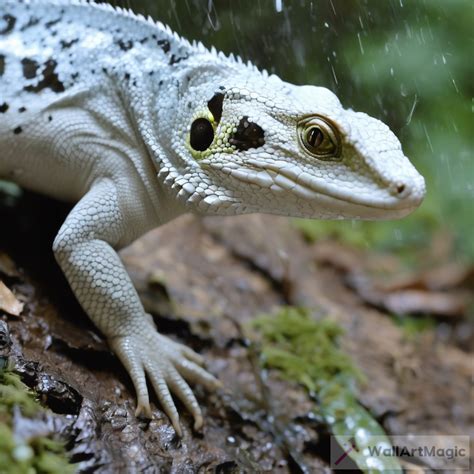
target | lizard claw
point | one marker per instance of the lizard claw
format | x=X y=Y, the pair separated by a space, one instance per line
x=168 y=365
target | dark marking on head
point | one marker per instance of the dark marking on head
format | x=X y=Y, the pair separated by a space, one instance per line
x=22 y=109
x=31 y=22
x=68 y=44
x=127 y=76
x=248 y=135
x=9 y=24
x=50 y=79
x=51 y=23
x=2 y=64
x=17 y=130
x=30 y=68
x=144 y=40
x=74 y=75
x=50 y=118
x=164 y=45
x=3 y=108
x=202 y=134
x=176 y=59
x=125 y=45
x=215 y=106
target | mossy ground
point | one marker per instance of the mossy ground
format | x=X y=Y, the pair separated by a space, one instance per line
x=26 y=454
x=306 y=350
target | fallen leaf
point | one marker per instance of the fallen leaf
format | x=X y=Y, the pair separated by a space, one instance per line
x=8 y=301
x=450 y=275
x=453 y=304
x=408 y=301
x=7 y=266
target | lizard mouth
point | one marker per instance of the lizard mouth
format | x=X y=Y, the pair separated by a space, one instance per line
x=337 y=201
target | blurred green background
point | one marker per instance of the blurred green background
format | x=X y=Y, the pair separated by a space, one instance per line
x=407 y=62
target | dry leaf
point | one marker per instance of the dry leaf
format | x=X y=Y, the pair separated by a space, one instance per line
x=7 y=266
x=8 y=301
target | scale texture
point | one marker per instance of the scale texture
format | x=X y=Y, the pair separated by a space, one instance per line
x=118 y=114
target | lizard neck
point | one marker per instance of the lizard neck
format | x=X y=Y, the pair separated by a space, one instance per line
x=162 y=107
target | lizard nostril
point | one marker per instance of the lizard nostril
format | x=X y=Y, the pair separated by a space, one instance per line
x=400 y=188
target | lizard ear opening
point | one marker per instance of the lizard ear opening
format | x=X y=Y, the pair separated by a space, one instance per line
x=202 y=134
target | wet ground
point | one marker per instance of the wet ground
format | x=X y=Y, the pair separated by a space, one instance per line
x=203 y=281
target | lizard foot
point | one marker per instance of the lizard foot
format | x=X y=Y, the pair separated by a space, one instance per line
x=167 y=364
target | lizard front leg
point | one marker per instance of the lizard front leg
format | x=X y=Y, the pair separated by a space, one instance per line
x=84 y=250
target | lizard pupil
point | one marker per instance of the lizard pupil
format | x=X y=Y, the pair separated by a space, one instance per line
x=202 y=134
x=315 y=137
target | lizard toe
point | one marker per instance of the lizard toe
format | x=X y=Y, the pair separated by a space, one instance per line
x=169 y=366
x=192 y=356
x=130 y=358
x=196 y=374
x=163 y=393
x=182 y=390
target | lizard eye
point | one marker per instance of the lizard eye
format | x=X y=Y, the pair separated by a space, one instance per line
x=202 y=134
x=319 y=138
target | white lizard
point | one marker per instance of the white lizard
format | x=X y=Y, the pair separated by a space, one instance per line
x=113 y=111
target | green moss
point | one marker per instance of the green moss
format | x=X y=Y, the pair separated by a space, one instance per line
x=412 y=326
x=305 y=350
x=13 y=392
x=26 y=455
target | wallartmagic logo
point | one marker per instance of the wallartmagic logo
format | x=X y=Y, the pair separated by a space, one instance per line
x=420 y=452
x=379 y=454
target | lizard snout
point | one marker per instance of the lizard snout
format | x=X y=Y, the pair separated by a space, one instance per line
x=410 y=190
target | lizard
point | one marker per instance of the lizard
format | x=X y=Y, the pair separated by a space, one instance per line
x=134 y=126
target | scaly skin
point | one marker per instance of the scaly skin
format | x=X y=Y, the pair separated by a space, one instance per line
x=117 y=113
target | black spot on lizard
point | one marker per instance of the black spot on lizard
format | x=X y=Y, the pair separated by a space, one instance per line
x=50 y=79
x=248 y=135
x=30 y=68
x=215 y=105
x=9 y=24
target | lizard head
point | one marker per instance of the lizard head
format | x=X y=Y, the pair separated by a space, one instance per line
x=269 y=146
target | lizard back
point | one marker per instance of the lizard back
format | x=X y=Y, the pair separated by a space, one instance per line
x=59 y=45
x=60 y=54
